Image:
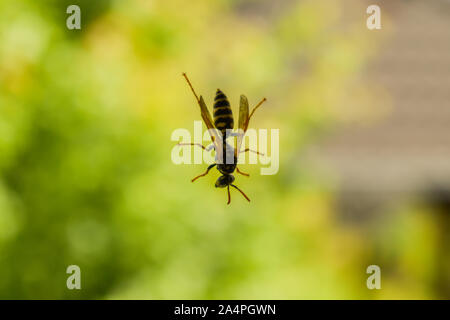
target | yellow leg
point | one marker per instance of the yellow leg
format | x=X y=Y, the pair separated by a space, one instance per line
x=190 y=85
x=246 y=150
x=192 y=144
x=257 y=106
x=204 y=174
x=242 y=192
x=243 y=173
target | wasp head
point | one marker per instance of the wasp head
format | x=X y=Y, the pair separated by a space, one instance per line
x=224 y=180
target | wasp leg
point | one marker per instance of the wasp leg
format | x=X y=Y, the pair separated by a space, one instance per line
x=242 y=192
x=229 y=196
x=256 y=107
x=243 y=173
x=261 y=154
x=192 y=144
x=206 y=172
x=208 y=148
x=190 y=85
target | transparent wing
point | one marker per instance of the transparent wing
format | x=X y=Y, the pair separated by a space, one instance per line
x=243 y=122
x=206 y=116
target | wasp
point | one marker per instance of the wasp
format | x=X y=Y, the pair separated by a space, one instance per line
x=218 y=128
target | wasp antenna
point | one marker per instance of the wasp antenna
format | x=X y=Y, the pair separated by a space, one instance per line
x=242 y=192
x=229 y=196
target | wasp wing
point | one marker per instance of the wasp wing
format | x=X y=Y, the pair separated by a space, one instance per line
x=206 y=116
x=243 y=123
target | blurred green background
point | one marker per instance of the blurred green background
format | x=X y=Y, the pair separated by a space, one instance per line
x=86 y=176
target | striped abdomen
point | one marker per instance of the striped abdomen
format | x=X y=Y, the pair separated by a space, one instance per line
x=223 y=116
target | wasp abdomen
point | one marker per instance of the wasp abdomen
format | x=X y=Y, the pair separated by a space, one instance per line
x=223 y=116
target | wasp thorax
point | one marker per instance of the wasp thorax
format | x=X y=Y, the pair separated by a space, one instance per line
x=224 y=180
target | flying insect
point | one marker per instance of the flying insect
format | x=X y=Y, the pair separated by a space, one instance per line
x=219 y=127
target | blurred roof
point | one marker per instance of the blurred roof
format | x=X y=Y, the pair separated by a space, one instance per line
x=409 y=148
